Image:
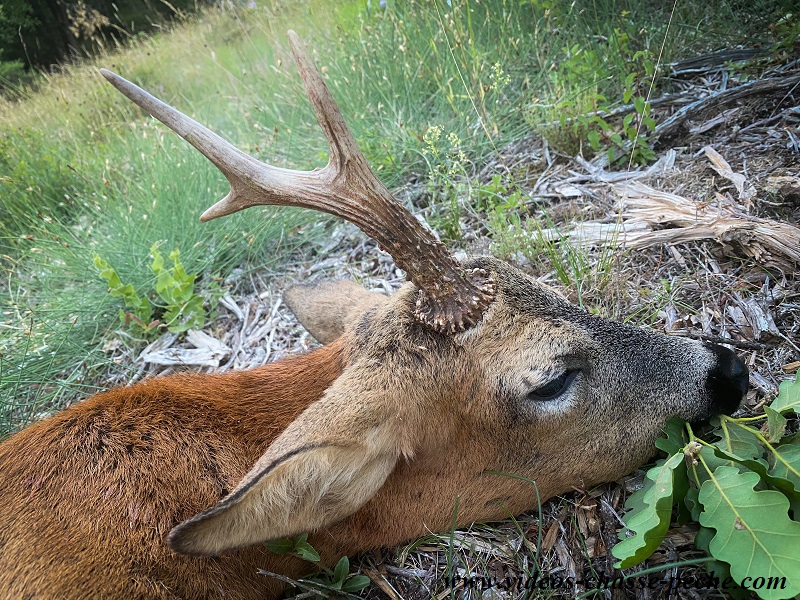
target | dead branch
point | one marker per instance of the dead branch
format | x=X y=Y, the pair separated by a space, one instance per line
x=650 y=217
x=669 y=126
x=715 y=60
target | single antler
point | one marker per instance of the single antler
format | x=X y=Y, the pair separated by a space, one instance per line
x=451 y=298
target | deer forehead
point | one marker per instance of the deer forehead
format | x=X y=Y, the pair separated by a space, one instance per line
x=527 y=325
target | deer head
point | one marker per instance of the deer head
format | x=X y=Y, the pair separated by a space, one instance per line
x=473 y=354
x=467 y=384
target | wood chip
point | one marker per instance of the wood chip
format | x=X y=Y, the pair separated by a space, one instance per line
x=208 y=351
x=758 y=316
x=720 y=165
x=791 y=367
x=550 y=537
x=565 y=558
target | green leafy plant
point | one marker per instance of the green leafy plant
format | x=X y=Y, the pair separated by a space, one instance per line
x=446 y=169
x=626 y=144
x=498 y=196
x=590 y=119
x=298 y=547
x=326 y=582
x=180 y=307
x=339 y=579
x=744 y=491
x=786 y=32
x=450 y=187
x=141 y=310
x=183 y=308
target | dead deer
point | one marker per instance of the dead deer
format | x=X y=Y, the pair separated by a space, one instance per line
x=419 y=403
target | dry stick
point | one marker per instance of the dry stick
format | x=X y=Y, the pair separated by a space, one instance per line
x=714 y=339
x=669 y=126
x=769 y=120
x=715 y=60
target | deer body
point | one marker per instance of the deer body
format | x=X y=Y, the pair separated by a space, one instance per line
x=470 y=392
x=89 y=495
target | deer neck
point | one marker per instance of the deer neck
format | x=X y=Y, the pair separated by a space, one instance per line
x=264 y=401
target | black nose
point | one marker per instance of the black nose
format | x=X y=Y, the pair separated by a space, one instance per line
x=727 y=381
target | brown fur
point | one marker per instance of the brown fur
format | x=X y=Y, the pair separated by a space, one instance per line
x=89 y=495
x=370 y=441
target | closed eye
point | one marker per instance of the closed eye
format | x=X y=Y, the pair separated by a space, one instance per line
x=555 y=387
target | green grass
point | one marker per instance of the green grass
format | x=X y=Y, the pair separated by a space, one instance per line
x=82 y=171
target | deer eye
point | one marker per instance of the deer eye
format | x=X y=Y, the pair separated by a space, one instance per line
x=555 y=387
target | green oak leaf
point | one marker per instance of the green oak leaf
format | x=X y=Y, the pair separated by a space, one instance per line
x=739 y=440
x=776 y=425
x=785 y=461
x=650 y=524
x=754 y=533
x=719 y=569
x=692 y=503
x=675 y=437
x=760 y=466
x=714 y=458
x=788 y=396
x=635 y=502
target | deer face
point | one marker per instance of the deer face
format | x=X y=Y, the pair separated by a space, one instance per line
x=559 y=382
x=538 y=389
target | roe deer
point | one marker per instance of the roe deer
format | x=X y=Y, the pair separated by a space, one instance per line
x=166 y=489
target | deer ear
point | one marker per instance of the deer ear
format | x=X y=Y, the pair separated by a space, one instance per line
x=326 y=309
x=323 y=467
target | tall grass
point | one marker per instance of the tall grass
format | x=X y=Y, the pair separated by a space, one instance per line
x=82 y=171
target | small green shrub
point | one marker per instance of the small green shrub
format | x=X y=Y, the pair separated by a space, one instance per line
x=628 y=144
x=181 y=308
x=497 y=196
x=326 y=582
x=141 y=306
x=786 y=32
x=583 y=118
x=13 y=73
x=744 y=491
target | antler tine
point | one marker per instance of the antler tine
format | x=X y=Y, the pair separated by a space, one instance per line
x=451 y=298
x=239 y=168
x=343 y=145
